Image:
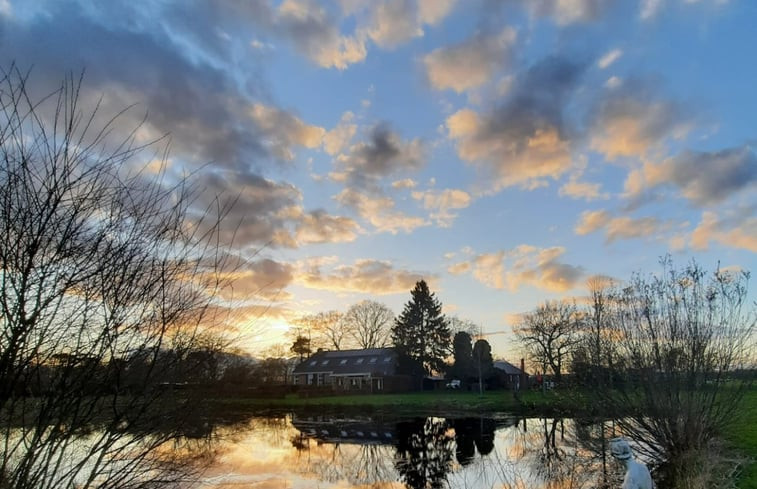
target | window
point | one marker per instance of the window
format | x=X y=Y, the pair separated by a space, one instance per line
x=359 y=361
x=343 y=362
x=325 y=362
x=312 y=364
x=387 y=359
x=373 y=360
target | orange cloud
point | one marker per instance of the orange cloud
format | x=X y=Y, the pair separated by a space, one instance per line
x=364 y=276
x=471 y=63
x=522 y=265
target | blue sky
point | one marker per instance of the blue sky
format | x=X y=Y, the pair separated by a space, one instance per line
x=505 y=151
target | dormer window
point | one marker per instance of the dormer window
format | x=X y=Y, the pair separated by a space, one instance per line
x=343 y=362
x=359 y=361
x=325 y=362
x=373 y=360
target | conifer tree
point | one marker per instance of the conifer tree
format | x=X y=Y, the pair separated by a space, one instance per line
x=421 y=332
x=462 y=351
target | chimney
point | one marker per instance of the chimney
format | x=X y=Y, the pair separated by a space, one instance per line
x=524 y=377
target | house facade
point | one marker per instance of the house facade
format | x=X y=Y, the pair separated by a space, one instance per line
x=509 y=375
x=367 y=370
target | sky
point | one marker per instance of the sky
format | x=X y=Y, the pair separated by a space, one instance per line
x=504 y=151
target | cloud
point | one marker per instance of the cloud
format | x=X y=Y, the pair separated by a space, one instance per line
x=315 y=34
x=523 y=265
x=459 y=268
x=395 y=22
x=340 y=136
x=442 y=203
x=261 y=279
x=541 y=268
x=632 y=120
x=404 y=183
x=704 y=178
x=269 y=213
x=576 y=189
x=131 y=58
x=283 y=131
x=432 y=12
x=591 y=221
x=737 y=231
x=469 y=64
x=609 y=58
x=364 y=276
x=526 y=139
x=650 y=9
x=622 y=227
x=489 y=269
x=320 y=227
x=382 y=155
x=379 y=211
x=568 y=11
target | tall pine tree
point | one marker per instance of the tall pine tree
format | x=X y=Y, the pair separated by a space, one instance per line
x=421 y=332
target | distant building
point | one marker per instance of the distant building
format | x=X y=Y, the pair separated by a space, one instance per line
x=373 y=370
x=508 y=374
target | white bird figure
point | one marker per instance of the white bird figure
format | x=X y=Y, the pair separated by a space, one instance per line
x=637 y=474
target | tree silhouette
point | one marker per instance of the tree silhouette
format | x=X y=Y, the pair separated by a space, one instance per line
x=483 y=362
x=424 y=452
x=109 y=291
x=369 y=323
x=421 y=332
x=462 y=351
x=550 y=334
x=301 y=347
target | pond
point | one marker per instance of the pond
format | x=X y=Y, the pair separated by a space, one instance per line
x=349 y=452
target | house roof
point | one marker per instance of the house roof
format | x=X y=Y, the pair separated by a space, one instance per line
x=507 y=367
x=374 y=361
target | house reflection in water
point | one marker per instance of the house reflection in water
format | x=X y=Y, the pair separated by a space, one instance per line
x=424 y=450
x=357 y=451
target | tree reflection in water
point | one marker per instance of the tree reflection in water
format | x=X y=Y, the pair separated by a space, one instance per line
x=425 y=453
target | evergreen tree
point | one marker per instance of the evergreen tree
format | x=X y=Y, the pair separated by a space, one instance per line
x=462 y=351
x=421 y=332
x=483 y=362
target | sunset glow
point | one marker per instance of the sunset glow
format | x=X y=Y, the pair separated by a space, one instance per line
x=505 y=152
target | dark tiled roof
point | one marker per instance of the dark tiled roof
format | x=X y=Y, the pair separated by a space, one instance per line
x=507 y=367
x=376 y=361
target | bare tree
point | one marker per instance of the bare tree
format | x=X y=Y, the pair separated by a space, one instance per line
x=324 y=330
x=369 y=323
x=108 y=281
x=684 y=335
x=599 y=336
x=549 y=333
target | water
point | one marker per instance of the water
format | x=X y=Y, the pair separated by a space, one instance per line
x=351 y=452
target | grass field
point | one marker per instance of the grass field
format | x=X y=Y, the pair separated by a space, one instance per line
x=438 y=402
x=742 y=434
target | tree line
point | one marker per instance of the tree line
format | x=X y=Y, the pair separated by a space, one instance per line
x=669 y=355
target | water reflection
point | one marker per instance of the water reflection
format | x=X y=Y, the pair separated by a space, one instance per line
x=417 y=453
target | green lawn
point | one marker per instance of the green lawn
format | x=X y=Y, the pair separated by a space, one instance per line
x=743 y=434
x=437 y=402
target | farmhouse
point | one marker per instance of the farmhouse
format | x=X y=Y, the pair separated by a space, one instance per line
x=509 y=375
x=369 y=369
